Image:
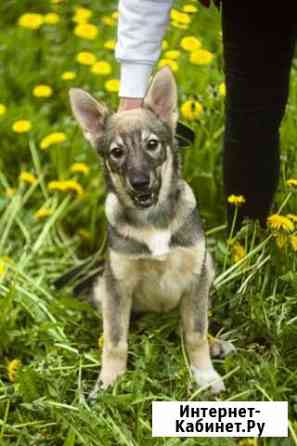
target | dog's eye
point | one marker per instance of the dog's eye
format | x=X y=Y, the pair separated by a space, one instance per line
x=152 y=144
x=117 y=152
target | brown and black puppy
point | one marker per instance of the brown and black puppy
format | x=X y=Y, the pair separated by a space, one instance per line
x=157 y=255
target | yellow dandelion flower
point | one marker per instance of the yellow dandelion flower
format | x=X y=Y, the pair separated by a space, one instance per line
x=86 y=31
x=292 y=182
x=79 y=168
x=42 y=91
x=22 y=126
x=238 y=252
x=10 y=192
x=293 y=241
x=248 y=442
x=180 y=17
x=190 y=9
x=43 y=213
x=278 y=222
x=2 y=109
x=292 y=217
x=191 y=110
x=51 y=18
x=65 y=186
x=30 y=21
x=12 y=368
x=165 y=45
x=101 y=342
x=27 y=177
x=110 y=44
x=170 y=63
x=222 y=89
x=115 y=15
x=68 y=75
x=52 y=138
x=112 y=85
x=237 y=200
x=281 y=240
x=86 y=58
x=190 y=43
x=172 y=54
x=101 y=68
x=82 y=15
x=179 y=25
x=108 y=21
x=201 y=57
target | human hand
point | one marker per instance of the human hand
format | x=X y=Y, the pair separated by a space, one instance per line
x=130 y=103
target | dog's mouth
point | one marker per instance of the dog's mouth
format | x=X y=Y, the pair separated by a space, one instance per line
x=144 y=200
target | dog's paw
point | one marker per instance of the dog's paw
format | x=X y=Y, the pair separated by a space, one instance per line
x=220 y=348
x=208 y=378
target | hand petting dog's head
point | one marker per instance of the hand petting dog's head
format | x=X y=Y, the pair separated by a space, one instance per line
x=137 y=146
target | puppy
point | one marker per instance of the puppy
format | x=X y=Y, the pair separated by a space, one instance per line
x=157 y=254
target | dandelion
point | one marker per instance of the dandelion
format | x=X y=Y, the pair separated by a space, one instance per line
x=190 y=9
x=43 y=213
x=170 y=63
x=12 y=368
x=112 y=85
x=79 y=168
x=30 y=21
x=4 y=261
x=180 y=17
x=279 y=222
x=179 y=25
x=82 y=15
x=21 y=126
x=56 y=2
x=236 y=200
x=172 y=54
x=51 y=19
x=65 y=186
x=42 y=91
x=191 y=110
x=201 y=57
x=292 y=217
x=292 y=182
x=101 y=68
x=281 y=240
x=86 y=31
x=52 y=138
x=190 y=43
x=86 y=58
x=110 y=44
x=222 y=89
x=293 y=241
x=68 y=75
x=237 y=252
x=115 y=15
x=2 y=109
x=27 y=177
x=108 y=21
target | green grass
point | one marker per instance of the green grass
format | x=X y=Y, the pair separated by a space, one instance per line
x=54 y=335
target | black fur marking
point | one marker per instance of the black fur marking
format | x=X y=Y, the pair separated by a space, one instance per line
x=125 y=245
x=190 y=232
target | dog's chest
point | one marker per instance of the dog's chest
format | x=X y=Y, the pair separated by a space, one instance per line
x=158 y=281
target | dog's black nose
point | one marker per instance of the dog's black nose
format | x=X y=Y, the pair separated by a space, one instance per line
x=140 y=182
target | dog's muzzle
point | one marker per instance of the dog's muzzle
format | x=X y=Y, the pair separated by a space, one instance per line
x=141 y=191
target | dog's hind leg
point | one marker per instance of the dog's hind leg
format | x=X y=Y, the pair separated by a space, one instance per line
x=194 y=309
x=115 y=308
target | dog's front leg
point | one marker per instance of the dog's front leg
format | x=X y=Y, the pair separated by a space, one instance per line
x=194 y=309
x=116 y=308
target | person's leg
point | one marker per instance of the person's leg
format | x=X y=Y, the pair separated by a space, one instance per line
x=258 y=49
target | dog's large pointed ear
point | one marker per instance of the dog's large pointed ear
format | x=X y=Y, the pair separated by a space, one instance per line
x=90 y=114
x=161 y=97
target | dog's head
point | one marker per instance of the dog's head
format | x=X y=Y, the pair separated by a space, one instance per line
x=137 y=146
